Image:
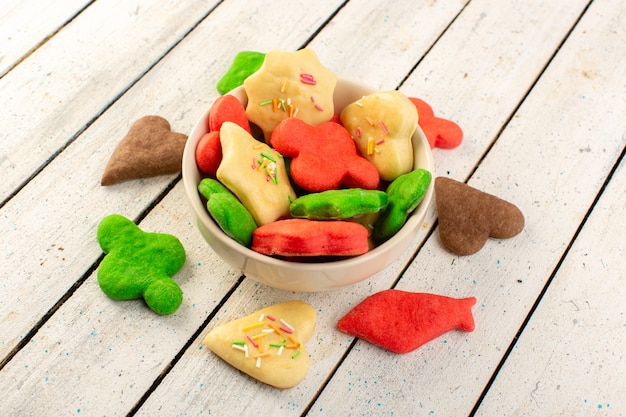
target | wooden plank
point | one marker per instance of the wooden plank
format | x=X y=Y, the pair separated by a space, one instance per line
x=570 y=358
x=89 y=151
x=22 y=31
x=50 y=97
x=205 y=384
x=66 y=213
x=447 y=376
x=395 y=36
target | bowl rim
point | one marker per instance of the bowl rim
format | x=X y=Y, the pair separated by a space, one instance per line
x=192 y=176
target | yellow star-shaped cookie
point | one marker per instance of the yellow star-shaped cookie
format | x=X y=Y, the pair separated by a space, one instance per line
x=255 y=173
x=290 y=84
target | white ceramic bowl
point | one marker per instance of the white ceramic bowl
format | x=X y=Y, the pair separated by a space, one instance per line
x=296 y=276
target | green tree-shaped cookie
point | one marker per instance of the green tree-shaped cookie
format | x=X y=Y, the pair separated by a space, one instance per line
x=139 y=264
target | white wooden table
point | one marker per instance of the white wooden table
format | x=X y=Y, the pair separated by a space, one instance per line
x=539 y=88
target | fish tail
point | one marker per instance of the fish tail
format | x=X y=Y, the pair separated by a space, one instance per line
x=466 y=319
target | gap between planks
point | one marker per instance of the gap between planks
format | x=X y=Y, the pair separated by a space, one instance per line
x=77 y=284
x=45 y=39
x=107 y=106
x=545 y=288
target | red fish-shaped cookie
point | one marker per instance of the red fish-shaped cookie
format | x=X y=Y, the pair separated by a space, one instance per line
x=402 y=321
x=324 y=156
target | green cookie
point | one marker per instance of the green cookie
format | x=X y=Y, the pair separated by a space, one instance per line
x=139 y=264
x=228 y=212
x=338 y=204
x=245 y=64
x=405 y=193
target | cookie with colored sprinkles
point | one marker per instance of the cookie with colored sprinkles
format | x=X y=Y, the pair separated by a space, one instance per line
x=268 y=345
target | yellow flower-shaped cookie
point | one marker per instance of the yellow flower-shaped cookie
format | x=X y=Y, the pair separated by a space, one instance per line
x=290 y=84
x=382 y=125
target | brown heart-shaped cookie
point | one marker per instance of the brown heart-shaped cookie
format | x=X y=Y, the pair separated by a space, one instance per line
x=149 y=148
x=468 y=217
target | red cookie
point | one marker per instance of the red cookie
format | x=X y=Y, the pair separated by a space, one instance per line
x=227 y=109
x=324 y=156
x=402 y=321
x=209 y=153
x=441 y=133
x=302 y=237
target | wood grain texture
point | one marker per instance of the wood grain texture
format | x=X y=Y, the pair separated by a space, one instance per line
x=508 y=275
x=570 y=358
x=543 y=113
x=27 y=24
x=58 y=91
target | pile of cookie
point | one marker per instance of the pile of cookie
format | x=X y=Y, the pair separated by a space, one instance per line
x=312 y=182
x=286 y=176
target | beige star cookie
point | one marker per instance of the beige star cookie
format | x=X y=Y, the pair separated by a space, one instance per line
x=149 y=148
x=268 y=345
x=255 y=173
x=382 y=125
x=290 y=84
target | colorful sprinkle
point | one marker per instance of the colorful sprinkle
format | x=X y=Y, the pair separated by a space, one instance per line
x=384 y=128
x=258 y=362
x=275 y=328
x=285 y=329
x=280 y=350
x=252 y=326
x=380 y=141
x=369 y=121
x=288 y=325
x=283 y=85
x=318 y=107
x=270 y=317
x=358 y=132
x=295 y=355
x=255 y=344
x=258 y=336
x=262 y=316
x=266 y=156
x=265 y=103
x=370 y=146
x=275 y=104
x=239 y=342
x=241 y=348
x=307 y=79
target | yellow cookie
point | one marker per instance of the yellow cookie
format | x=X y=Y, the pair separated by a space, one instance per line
x=268 y=345
x=382 y=125
x=255 y=173
x=290 y=84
